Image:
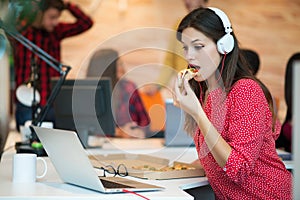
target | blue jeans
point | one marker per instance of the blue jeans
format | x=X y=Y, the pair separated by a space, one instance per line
x=24 y=113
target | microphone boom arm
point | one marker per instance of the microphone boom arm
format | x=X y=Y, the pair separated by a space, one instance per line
x=62 y=69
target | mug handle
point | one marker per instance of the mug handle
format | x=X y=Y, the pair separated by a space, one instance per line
x=45 y=167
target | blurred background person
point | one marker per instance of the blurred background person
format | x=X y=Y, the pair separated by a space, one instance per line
x=131 y=117
x=253 y=59
x=46 y=32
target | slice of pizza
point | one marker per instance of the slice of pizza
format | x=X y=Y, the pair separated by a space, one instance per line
x=186 y=74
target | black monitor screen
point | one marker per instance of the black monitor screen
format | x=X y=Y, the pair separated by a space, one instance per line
x=84 y=105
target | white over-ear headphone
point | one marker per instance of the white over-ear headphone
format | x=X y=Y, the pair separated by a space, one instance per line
x=226 y=43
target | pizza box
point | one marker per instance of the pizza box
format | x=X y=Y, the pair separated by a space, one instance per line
x=148 y=167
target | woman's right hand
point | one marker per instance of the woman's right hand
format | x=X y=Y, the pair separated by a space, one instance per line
x=186 y=99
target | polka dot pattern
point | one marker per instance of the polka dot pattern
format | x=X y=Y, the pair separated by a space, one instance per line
x=253 y=169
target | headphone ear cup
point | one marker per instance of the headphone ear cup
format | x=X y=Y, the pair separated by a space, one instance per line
x=225 y=44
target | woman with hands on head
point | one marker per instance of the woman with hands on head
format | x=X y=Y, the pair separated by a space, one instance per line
x=229 y=112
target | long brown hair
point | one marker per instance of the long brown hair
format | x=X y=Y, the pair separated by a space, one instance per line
x=235 y=66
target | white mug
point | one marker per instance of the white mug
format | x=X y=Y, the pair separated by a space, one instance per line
x=24 y=167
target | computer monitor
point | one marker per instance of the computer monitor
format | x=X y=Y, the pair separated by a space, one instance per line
x=84 y=106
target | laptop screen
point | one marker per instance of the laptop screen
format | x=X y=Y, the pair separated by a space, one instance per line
x=174 y=133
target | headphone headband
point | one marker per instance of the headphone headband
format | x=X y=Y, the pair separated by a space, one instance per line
x=226 y=43
x=225 y=20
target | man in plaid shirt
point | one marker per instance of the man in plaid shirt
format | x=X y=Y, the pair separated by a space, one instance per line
x=47 y=33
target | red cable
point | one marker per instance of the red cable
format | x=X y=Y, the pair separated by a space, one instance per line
x=200 y=93
x=124 y=190
x=223 y=63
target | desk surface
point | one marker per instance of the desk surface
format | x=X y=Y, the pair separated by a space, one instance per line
x=51 y=185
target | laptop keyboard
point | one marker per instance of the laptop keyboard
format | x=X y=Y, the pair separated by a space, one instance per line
x=110 y=184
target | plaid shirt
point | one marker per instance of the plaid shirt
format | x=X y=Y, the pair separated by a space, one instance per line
x=50 y=43
x=129 y=105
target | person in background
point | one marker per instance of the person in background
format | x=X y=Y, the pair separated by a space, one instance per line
x=253 y=60
x=285 y=139
x=194 y=4
x=46 y=32
x=174 y=60
x=131 y=118
x=229 y=111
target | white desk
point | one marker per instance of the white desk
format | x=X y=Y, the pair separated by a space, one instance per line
x=51 y=185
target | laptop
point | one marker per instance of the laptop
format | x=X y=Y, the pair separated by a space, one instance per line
x=174 y=132
x=74 y=167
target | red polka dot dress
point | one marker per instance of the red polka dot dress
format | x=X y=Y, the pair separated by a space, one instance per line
x=253 y=169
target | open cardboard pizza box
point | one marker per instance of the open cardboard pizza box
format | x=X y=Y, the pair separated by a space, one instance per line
x=148 y=167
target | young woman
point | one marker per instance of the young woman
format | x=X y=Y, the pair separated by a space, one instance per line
x=229 y=112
